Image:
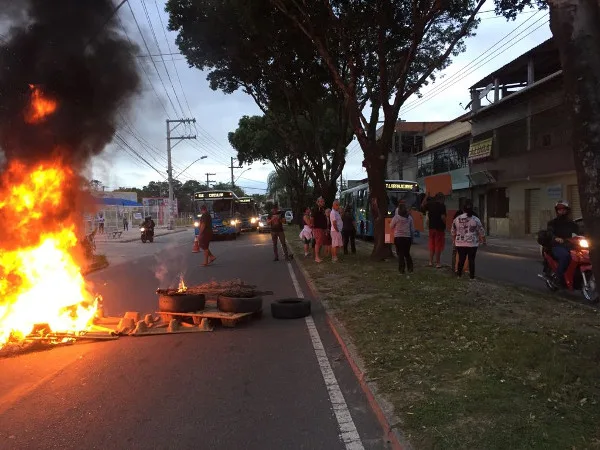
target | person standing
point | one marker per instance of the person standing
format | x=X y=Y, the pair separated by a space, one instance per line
x=403 y=227
x=336 y=227
x=327 y=239
x=436 y=213
x=206 y=235
x=349 y=230
x=306 y=234
x=125 y=223
x=319 y=227
x=467 y=234
x=275 y=220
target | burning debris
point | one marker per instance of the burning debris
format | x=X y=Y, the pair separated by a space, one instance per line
x=65 y=73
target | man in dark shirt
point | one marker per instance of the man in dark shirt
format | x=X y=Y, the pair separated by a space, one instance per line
x=436 y=212
x=562 y=228
x=319 y=226
x=276 y=220
x=206 y=235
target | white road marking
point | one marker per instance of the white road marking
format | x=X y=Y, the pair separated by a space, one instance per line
x=348 y=432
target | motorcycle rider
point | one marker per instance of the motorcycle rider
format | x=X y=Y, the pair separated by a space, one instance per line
x=149 y=224
x=561 y=229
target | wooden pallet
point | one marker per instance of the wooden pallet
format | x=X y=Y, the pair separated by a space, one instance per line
x=227 y=319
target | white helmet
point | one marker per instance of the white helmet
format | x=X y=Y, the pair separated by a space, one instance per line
x=562 y=203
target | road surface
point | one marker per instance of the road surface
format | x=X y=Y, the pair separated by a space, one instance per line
x=259 y=386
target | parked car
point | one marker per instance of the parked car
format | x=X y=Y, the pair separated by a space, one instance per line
x=263 y=225
x=289 y=216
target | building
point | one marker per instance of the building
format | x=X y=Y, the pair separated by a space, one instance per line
x=521 y=160
x=446 y=151
x=408 y=140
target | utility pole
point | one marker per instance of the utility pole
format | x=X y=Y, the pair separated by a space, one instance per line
x=232 y=167
x=208 y=180
x=170 y=147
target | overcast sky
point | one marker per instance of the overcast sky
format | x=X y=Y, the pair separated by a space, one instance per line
x=497 y=42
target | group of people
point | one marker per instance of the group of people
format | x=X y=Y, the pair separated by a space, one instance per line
x=466 y=230
x=329 y=229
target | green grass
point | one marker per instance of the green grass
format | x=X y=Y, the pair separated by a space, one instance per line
x=469 y=365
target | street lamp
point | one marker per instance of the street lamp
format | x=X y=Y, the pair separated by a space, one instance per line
x=180 y=173
x=242 y=174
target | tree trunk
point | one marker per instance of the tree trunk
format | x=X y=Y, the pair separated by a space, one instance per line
x=327 y=190
x=376 y=169
x=576 y=29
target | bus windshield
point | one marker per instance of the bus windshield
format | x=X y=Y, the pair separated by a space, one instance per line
x=247 y=209
x=410 y=199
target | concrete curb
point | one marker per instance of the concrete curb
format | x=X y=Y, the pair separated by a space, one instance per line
x=112 y=241
x=394 y=436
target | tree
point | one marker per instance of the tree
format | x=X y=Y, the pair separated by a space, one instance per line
x=256 y=139
x=286 y=81
x=138 y=191
x=575 y=26
x=391 y=49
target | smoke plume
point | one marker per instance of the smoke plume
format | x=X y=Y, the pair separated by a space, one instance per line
x=72 y=51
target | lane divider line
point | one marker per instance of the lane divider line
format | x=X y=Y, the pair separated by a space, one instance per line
x=348 y=432
x=391 y=435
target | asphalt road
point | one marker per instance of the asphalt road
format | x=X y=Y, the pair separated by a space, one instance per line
x=257 y=386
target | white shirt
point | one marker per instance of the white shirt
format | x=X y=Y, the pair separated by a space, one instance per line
x=335 y=216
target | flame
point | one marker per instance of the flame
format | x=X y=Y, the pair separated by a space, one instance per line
x=182 y=286
x=41 y=106
x=40 y=279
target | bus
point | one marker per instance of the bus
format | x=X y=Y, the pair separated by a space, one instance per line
x=398 y=191
x=221 y=206
x=246 y=207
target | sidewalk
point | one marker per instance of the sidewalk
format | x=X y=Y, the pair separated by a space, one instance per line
x=527 y=247
x=133 y=234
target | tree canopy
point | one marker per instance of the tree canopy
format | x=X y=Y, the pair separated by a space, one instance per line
x=287 y=81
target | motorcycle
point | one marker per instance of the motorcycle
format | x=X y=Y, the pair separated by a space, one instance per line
x=147 y=234
x=578 y=276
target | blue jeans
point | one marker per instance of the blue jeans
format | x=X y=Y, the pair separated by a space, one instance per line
x=563 y=256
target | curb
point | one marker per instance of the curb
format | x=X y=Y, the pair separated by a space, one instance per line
x=96 y=268
x=394 y=437
x=137 y=238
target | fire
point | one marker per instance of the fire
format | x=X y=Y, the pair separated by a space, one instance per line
x=40 y=278
x=40 y=107
x=182 y=286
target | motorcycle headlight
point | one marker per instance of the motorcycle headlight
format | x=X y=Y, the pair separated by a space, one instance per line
x=583 y=243
x=234 y=222
x=196 y=224
x=253 y=220
x=142 y=229
x=261 y=224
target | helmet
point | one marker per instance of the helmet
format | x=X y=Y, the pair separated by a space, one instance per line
x=563 y=204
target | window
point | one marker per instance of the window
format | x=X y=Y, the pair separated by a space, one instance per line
x=445 y=159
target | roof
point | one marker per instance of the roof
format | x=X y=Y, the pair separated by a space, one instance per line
x=518 y=94
x=546 y=60
x=111 y=201
x=418 y=127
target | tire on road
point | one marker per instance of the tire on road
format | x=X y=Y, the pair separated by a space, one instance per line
x=181 y=303
x=239 y=304
x=291 y=308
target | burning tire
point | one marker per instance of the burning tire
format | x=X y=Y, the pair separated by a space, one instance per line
x=181 y=303
x=291 y=308
x=239 y=304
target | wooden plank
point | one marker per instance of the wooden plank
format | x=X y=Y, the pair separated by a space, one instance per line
x=209 y=314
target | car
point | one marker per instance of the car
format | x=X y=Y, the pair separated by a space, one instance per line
x=289 y=216
x=263 y=225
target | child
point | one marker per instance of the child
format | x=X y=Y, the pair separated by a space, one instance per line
x=404 y=229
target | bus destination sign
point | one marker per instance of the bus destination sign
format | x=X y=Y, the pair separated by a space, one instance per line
x=245 y=200
x=211 y=195
x=400 y=186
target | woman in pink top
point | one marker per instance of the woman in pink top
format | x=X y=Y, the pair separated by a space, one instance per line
x=467 y=233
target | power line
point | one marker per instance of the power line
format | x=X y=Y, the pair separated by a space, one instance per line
x=159 y=50
x=462 y=73
x=164 y=29
x=153 y=62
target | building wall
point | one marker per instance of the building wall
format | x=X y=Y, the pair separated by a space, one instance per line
x=446 y=134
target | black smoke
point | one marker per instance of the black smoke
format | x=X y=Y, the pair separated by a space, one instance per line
x=71 y=50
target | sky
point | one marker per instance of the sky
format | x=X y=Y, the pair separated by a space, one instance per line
x=173 y=90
